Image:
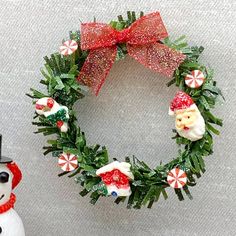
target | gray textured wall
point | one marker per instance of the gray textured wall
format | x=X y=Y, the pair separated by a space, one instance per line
x=129 y=116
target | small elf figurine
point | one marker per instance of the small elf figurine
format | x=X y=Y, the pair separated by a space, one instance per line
x=54 y=112
x=10 y=176
x=189 y=122
x=116 y=177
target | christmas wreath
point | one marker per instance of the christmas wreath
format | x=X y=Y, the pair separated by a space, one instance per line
x=84 y=61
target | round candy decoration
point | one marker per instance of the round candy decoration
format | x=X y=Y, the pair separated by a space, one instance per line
x=67 y=161
x=84 y=62
x=68 y=47
x=176 y=178
x=195 y=79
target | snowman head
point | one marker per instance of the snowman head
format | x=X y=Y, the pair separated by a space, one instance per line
x=5 y=184
x=46 y=106
x=10 y=176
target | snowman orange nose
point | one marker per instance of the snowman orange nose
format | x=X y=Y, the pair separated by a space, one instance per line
x=4 y=177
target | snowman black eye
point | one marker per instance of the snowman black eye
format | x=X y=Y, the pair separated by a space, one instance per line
x=4 y=177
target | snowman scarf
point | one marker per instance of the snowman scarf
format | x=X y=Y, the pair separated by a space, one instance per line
x=8 y=205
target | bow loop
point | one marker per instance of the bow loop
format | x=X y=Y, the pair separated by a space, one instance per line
x=147 y=29
x=97 y=35
x=142 y=42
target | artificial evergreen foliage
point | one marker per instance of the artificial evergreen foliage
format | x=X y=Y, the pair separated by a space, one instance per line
x=149 y=185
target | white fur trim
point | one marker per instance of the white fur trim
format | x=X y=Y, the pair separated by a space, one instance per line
x=123 y=167
x=193 y=106
x=170 y=112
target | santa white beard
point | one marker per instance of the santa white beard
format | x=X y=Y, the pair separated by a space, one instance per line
x=196 y=131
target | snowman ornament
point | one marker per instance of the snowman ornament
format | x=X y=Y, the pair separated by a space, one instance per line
x=10 y=176
x=55 y=113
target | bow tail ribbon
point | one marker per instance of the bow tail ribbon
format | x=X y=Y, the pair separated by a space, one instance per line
x=154 y=56
x=157 y=57
x=97 y=66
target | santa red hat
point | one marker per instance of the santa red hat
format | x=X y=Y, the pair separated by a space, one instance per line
x=181 y=101
x=16 y=172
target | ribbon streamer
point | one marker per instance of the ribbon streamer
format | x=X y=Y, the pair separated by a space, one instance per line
x=142 y=44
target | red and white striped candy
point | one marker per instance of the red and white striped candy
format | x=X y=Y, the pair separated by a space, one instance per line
x=67 y=161
x=195 y=79
x=68 y=47
x=177 y=178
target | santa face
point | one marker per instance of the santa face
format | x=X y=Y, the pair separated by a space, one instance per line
x=185 y=119
x=190 y=123
x=5 y=184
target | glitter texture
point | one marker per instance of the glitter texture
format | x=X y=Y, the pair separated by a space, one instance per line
x=141 y=40
x=181 y=101
x=97 y=66
x=157 y=57
x=115 y=177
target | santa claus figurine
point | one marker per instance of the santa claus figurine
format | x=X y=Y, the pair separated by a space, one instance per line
x=10 y=176
x=189 y=122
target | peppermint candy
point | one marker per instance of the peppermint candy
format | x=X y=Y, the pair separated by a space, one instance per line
x=67 y=161
x=195 y=79
x=177 y=178
x=68 y=47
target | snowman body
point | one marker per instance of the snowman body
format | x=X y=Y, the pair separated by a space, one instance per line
x=11 y=224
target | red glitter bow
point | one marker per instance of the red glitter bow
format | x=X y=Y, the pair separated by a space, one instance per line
x=142 y=44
